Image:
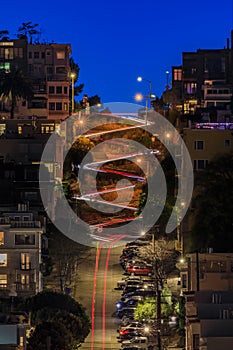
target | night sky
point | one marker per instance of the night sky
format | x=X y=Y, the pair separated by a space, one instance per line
x=114 y=42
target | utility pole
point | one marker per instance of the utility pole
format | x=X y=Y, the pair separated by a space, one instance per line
x=158 y=294
x=158 y=308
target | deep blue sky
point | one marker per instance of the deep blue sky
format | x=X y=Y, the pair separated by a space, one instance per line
x=114 y=42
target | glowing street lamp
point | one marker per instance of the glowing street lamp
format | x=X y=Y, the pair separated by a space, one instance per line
x=140 y=79
x=73 y=76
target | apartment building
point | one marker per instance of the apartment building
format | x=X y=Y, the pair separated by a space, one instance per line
x=21 y=146
x=204 y=79
x=205 y=141
x=20 y=253
x=207 y=284
x=49 y=68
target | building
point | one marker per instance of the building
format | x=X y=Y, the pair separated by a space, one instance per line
x=12 y=337
x=21 y=146
x=204 y=79
x=205 y=141
x=49 y=68
x=207 y=284
x=20 y=253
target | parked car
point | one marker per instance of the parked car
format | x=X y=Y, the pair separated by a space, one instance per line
x=140 y=270
x=126 y=311
x=144 y=292
x=122 y=283
x=142 y=341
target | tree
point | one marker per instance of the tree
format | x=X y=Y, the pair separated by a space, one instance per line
x=50 y=335
x=146 y=309
x=4 y=35
x=213 y=206
x=50 y=308
x=74 y=68
x=78 y=151
x=28 y=30
x=162 y=255
x=15 y=85
x=66 y=256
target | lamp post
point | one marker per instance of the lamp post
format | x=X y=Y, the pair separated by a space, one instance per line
x=167 y=80
x=147 y=96
x=72 y=75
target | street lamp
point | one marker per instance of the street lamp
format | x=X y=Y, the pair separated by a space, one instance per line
x=167 y=75
x=147 y=96
x=72 y=75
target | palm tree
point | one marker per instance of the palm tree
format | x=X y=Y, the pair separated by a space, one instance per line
x=15 y=85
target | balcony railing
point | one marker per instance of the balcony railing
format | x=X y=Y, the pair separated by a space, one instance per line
x=25 y=224
x=21 y=287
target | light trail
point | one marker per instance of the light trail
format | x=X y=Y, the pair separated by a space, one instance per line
x=94 y=296
x=110 y=190
x=98 y=252
x=105 y=289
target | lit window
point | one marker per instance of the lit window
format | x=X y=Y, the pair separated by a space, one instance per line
x=25 y=279
x=3 y=260
x=60 y=55
x=21 y=341
x=65 y=106
x=3 y=281
x=177 y=74
x=25 y=261
x=1 y=238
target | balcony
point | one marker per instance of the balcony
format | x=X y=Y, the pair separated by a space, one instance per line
x=25 y=224
x=30 y=287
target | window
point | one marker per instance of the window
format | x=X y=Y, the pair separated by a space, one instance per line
x=216 y=298
x=36 y=54
x=177 y=74
x=21 y=341
x=198 y=145
x=58 y=106
x=29 y=54
x=51 y=89
x=59 y=89
x=184 y=280
x=25 y=279
x=65 y=106
x=65 y=90
x=227 y=143
x=3 y=259
x=60 y=70
x=191 y=88
x=200 y=164
x=42 y=54
x=25 y=261
x=60 y=55
x=47 y=128
x=1 y=238
x=51 y=106
x=24 y=239
x=195 y=341
x=49 y=70
x=3 y=281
